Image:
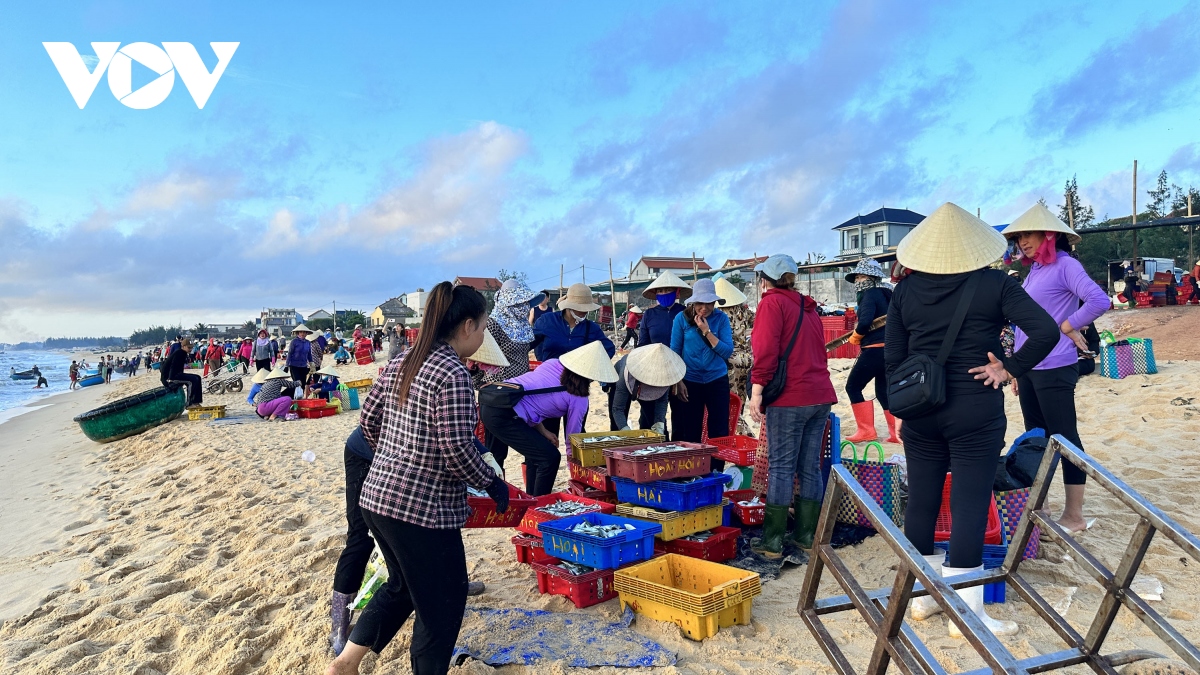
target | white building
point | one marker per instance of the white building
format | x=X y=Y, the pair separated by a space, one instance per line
x=649 y=267
x=876 y=233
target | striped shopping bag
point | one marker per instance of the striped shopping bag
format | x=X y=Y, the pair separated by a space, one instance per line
x=1116 y=360
x=1011 y=505
x=881 y=480
x=1143 y=356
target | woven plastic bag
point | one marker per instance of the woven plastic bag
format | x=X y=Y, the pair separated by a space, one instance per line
x=1116 y=360
x=1011 y=505
x=881 y=480
x=1142 y=351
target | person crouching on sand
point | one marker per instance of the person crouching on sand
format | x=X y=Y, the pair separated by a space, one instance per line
x=420 y=420
x=274 y=400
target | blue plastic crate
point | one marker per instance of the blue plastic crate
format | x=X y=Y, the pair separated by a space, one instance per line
x=993 y=557
x=727 y=515
x=634 y=545
x=673 y=495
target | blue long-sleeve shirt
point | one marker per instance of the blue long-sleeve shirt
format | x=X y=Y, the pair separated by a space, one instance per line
x=552 y=337
x=657 y=324
x=704 y=362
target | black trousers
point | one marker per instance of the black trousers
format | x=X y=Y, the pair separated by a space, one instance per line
x=965 y=437
x=507 y=430
x=427 y=574
x=630 y=334
x=352 y=564
x=298 y=373
x=869 y=366
x=195 y=387
x=688 y=416
x=262 y=364
x=1048 y=402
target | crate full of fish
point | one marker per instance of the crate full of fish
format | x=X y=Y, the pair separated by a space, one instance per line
x=599 y=540
x=584 y=490
x=530 y=550
x=717 y=545
x=588 y=449
x=676 y=524
x=484 y=513
x=676 y=494
x=747 y=507
x=660 y=461
x=699 y=596
x=559 y=505
x=595 y=476
x=582 y=585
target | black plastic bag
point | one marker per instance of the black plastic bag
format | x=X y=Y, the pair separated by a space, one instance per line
x=1023 y=462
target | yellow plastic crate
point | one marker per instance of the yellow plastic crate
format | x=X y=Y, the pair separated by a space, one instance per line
x=364 y=383
x=700 y=597
x=677 y=524
x=206 y=412
x=592 y=454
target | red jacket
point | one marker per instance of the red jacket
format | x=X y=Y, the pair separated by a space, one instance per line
x=632 y=320
x=215 y=352
x=808 y=380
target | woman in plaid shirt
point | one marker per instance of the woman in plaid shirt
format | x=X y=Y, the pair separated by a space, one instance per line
x=420 y=418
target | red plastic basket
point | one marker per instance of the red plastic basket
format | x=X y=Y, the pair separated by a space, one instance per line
x=311 y=403
x=719 y=547
x=583 y=490
x=532 y=517
x=735 y=412
x=483 y=510
x=992 y=535
x=595 y=476
x=740 y=450
x=530 y=550
x=749 y=515
x=846 y=351
x=317 y=413
x=694 y=460
x=584 y=590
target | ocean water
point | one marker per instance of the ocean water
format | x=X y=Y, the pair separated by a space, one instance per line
x=55 y=367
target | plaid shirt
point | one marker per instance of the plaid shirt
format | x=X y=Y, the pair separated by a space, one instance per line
x=425 y=454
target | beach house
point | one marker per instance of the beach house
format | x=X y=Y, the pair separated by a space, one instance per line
x=876 y=233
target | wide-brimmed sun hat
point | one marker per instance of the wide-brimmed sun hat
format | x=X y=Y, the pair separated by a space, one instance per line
x=514 y=293
x=868 y=267
x=667 y=281
x=655 y=365
x=730 y=293
x=950 y=241
x=260 y=376
x=301 y=329
x=704 y=290
x=590 y=361
x=1039 y=219
x=777 y=265
x=278 y=375
x=330 y=371
x=578 y=298
x=489 y=352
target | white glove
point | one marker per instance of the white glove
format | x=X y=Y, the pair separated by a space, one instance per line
x=491 y=461
x=659 y=428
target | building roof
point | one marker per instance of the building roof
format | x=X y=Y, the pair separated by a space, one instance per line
x=740 y=262
x=319 y=314
x=664 y=263
x=883 y=215
x=479 y=283
x=394 y=308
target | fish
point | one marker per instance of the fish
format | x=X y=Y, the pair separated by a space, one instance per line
x=563 y=508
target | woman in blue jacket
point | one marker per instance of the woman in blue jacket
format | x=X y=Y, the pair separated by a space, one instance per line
x=299 y=353
x=703 y=337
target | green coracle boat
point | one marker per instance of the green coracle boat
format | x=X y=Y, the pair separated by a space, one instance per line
x=132 y=415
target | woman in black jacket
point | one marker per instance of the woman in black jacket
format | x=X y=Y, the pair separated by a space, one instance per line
x=873 y=301
x=948 y=255
x=172 y=371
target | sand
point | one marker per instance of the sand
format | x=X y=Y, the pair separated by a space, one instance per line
x=210 y=549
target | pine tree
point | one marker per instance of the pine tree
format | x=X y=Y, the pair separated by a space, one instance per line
x=1084 y=216
x=1160 y=197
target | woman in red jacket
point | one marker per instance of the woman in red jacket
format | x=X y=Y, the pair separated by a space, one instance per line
x=795 y=421
x=215 y=355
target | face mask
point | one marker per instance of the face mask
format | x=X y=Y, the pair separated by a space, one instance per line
x=579 y=316
x=667 y=299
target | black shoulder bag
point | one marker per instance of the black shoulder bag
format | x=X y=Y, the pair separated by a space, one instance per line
x=918 y=385
x=774 y=389
x=509 y=394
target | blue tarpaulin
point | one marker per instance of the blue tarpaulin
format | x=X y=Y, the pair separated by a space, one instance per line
x=524 y=637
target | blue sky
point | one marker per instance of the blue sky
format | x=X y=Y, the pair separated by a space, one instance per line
x=355 y=154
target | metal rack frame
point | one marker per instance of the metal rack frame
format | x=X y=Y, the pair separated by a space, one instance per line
x=884 y=609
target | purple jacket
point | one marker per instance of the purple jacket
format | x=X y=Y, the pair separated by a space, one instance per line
x=1060 y=288
x=299 y=352
x=534 y=409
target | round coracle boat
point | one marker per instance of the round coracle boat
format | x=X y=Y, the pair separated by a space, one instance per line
x=133 y=415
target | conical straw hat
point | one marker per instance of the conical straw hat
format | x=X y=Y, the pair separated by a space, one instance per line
x=950 y=241
x=1039 y=219
x=489 y=352
x=328 y=370
x=665 y=282
x=302 y=327
x=729 y=293
x=590 y=361
x=260 y=376
x=279 y=374
x=655 y=365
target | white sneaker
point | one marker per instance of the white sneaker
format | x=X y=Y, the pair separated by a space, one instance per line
x=925 y=606
x=973 y=596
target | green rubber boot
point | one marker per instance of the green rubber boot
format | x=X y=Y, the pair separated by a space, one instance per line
x=774 y=527
x=808 y=512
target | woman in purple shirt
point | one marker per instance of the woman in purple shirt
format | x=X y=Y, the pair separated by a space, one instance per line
x=565 y=382
x=1058 y=283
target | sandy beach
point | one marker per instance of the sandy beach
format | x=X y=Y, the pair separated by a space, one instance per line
x=198 y=548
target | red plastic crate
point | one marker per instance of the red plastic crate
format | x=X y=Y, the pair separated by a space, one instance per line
x=316 y=413
x=530 y=550
x=846 y=351
x=838 y=323
x=992 y=535
x=740 y=450
x=749 y=515
x=595 y=476
x=483 y=510
x=694 y=460
x=735 y=412
x=311 y=403
x=583 y=490
x=721 y=546
x=584 y=590
x=532 y=517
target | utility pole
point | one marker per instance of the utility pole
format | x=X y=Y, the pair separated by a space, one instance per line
x=560 y=280
x=695 y=269
x=335 y=317
x=1135 y=237
x=1191 y=231
x=612 y=290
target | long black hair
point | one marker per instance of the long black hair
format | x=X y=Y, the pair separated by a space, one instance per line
x=446 y=309
x=576 y=384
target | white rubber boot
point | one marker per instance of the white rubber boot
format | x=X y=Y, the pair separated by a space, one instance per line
x=924 y=607
x=974 y=598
